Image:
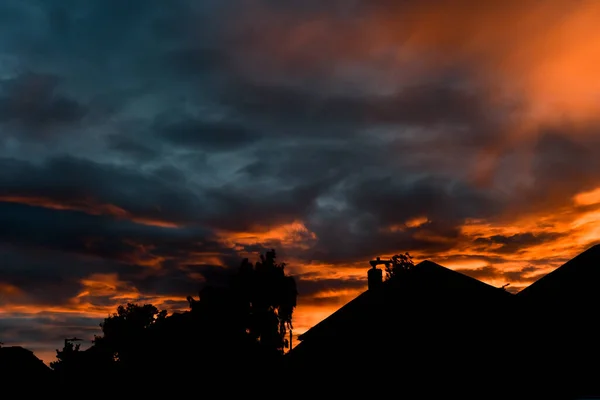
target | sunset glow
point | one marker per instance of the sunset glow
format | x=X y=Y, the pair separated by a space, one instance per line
x=141 y=161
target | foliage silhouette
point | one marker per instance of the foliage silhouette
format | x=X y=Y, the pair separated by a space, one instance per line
x=269 y=298
x=240 y=326
x=125 y=334
x=66 y=357
x=258 y=303
x=398 y=264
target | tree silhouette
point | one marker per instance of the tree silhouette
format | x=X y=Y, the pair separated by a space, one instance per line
x=74 y=365
x=255 y=308
x=269 y=298
x=240 y=326
x=398 y=264
x=126 y=333
x=68 y=358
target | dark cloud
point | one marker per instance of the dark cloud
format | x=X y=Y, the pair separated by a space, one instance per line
x=163 y=194
x=195 y=61
x=521 y=277
x=52 y=252
x=423 y=105
x=254 y=208
x=131 y=148
x=46 y=277
x=74 y=231
x=33 y=102
x=214 y=275
x=398 y=199
x=310 y=287
x=371 y=216
x=48 y=328
x=68 y=179
x=516 y=242
x=325 y=292
x=566 y=162
x=207 y=136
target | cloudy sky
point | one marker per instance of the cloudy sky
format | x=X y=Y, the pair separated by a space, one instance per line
x=147 y=145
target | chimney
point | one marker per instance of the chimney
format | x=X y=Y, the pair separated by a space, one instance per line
x=375 y=278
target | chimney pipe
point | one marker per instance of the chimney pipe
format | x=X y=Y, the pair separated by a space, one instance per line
x=374 y=277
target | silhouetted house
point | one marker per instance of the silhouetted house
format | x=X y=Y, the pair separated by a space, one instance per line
x=19 y=365
x=427 y=329
x=576 y=283
x=559 y=314
x=433 y=331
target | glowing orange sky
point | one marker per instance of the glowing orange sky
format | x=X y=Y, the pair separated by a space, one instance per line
x=542 y=56
x=580 y=224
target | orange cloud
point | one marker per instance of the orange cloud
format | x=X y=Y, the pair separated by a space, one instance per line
x=549 y=238
x=294 y=234
x=88 y=206
x=107 y=287
x=587 y=198
x=545 y=52
x=417 y=222
x=10 y=293
x=113 y=293
x=142 y=255
x=9 y=290
x=534 y=63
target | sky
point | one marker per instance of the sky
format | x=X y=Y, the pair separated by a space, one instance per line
x=148 y=146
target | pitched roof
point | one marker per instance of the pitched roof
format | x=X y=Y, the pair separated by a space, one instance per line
x=16 y=362
x=576 y=278
x=426 y=281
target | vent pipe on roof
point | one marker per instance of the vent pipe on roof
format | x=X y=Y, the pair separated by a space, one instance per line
x=375 y=275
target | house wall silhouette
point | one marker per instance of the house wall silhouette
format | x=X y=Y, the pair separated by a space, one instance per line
x=435 y=331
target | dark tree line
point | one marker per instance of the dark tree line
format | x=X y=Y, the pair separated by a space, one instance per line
x=237 y=329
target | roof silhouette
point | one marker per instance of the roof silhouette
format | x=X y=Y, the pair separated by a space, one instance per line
x=558 y=311
x=18 y=364
x=420 y=322
x=427 y=282
x=576 y=278
x=444 y=333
